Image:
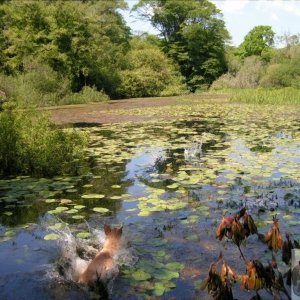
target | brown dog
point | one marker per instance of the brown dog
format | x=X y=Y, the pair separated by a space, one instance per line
x=101 y=267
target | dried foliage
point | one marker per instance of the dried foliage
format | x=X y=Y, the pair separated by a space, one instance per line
x=273 y=237
x=220 y=280
x=258 y=276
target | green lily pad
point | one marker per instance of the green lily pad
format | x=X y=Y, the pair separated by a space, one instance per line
x=83 y=235
x=116 y=186
x=87 y=186
x=165 y=274
x=141 y=275
x=71 y=191
x=77 y=217
x=93 y=196
x=8 y=213
x=72 y=211
x=65 y=201
x=61 y=208
x=79 y=206
x=174 y=266
x=173 y=186
x=57 y=226
x=51 y=237
x=100 y=209
x=9 y=233
x=159 y=289
x=50 y=200
x=144 y=213
x=116 y=197
x=192 y=237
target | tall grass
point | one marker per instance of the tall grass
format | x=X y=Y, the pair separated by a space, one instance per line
x=31 y=145
x=266 y=96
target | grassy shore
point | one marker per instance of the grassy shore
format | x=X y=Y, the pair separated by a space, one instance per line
x=266 y=96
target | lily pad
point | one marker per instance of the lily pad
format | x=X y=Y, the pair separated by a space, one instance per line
x=116 y=186
x=83 y=235
x=116 y=197
x=50 y=200
x=87 y=186
x=57 y=226
x=100 y=209
x=159 y=289
x=174 y=266
x=141 y=275
x=51 y=237
x=93 y=196
x=77 y=217
x=65 y=201
x=173 y=186
x=8 y=213
x=165 y=274
x=72 y=211
x=79 y=206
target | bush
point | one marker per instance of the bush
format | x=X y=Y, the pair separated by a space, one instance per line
x=86 y=95
x=284 y=74
x=31 y=145
x=248 y=76
x=148 y=72
x=39 y=85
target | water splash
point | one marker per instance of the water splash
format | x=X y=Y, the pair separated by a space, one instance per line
x=76 y=253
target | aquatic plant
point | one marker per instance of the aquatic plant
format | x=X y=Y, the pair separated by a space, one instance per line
x=258 y=276
x=280 y=96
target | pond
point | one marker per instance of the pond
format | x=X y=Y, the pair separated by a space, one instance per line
x=168 y=183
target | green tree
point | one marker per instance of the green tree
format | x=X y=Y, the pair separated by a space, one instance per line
x=259 y=41
x=148 y=71
x=81 y=40
x=193 y=34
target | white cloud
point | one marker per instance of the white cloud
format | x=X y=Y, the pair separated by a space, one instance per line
x=231 y=6
x=274 y=16
x=291 y=6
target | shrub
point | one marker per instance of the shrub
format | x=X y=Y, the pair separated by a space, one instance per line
x=284 y=74
x=39 y=85
x=223 y=82
x=148 y=72
x=86 y=95
x=248 y=75
x=31 y=145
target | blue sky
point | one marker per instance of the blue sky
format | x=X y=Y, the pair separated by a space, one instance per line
x=241 y=16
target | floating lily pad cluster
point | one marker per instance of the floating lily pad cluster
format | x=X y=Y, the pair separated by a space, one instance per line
x=141 y=176
x=156 y=275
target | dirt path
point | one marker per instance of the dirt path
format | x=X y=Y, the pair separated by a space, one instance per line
x=103 y=113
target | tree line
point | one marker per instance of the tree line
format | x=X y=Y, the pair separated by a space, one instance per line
x=58 y=52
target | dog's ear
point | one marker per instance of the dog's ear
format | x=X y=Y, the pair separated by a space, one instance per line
x=107 y=229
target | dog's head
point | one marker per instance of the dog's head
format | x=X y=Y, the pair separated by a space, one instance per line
x=113 y=233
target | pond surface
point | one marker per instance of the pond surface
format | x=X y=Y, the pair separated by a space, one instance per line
x=168 y=183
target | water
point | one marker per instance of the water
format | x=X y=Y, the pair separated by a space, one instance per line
x=168 y=202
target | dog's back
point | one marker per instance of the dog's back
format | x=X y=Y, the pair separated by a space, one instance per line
x=103 y=265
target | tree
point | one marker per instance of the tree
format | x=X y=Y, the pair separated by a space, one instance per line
x=288 y=39
x=148 y=71
x=258 y=41
x=193 y=36
x=84 y=41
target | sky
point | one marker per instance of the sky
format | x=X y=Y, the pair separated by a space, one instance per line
x=241 y=16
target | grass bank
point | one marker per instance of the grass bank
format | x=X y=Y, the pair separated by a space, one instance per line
x=265 y=96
